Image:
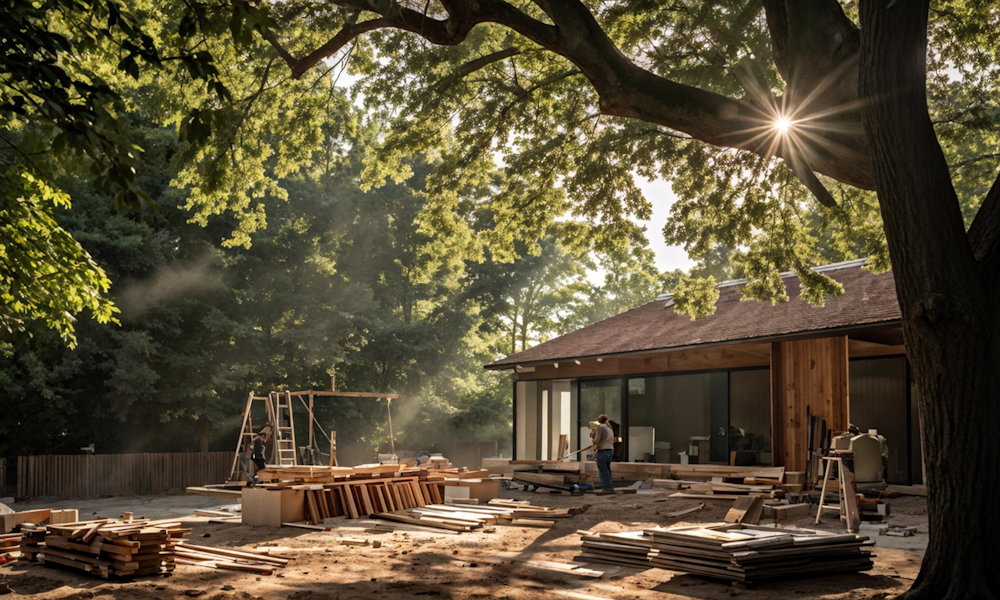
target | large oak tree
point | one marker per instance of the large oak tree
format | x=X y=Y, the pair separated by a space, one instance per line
x=837 y=92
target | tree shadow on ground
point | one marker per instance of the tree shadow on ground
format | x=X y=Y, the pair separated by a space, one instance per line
x=694 y=586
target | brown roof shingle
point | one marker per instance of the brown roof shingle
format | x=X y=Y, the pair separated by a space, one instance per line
x=868 y=298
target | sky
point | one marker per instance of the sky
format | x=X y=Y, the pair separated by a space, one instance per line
x=668 y=258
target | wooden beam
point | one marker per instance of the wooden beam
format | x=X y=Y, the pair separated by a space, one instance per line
x=346 y=394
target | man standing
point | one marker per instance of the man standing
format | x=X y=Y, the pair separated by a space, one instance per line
x=258 y=452
x=604 y=442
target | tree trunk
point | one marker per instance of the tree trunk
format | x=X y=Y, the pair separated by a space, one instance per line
x=950 y=321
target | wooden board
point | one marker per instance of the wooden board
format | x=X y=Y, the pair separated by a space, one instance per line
x=11 y=520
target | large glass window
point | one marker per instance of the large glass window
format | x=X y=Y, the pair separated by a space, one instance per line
x=597 y=398
x=666 y=412
x=750 y=416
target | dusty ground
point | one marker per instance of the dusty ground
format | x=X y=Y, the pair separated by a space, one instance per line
x=464 y=566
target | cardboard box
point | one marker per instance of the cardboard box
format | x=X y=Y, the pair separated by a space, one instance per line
x=262 y=506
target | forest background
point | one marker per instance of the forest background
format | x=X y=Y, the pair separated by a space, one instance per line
x=304 y=229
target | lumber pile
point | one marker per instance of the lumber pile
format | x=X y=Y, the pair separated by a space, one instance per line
x=356 y=492
x=261 y=563
x=470 y=517
x=106 y=547
x=10 y=542
x=732 y=552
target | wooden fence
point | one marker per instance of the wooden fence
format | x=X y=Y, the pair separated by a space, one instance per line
x=89 y=475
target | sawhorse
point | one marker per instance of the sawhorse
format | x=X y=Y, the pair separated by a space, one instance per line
x=848 y=495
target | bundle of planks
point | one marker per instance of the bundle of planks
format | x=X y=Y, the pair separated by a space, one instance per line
x=261 y=563
x=468 y=517
x=733 y=552
x=106 y=547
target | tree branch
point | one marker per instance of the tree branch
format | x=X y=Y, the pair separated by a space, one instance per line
x=474 y=65
x=626 y=90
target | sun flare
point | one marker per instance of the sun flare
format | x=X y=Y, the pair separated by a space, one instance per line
x=782 y=124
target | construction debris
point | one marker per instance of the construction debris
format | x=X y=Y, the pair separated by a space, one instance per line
x=319 y=493
x=125 y=548
x=10 y=542
x=898 y=531
x=226 y=558
x=737 y=553
x=469 y=518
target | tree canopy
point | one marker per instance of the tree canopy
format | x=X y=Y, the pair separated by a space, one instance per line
x=793 y=131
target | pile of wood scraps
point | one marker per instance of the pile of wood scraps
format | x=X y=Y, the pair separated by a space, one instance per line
x=229 y=513
x=10 y=542
x=106 y=547
x=262 y=563
x=732 y=552
x=721 y=483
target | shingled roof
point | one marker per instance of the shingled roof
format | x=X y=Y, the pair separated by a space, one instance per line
x=868 y=299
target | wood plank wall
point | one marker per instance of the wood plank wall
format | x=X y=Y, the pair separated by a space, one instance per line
x=88 y=475
x=805 y=373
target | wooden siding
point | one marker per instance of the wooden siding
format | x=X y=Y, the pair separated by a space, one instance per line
x=878 y=401
x=806 y=373
x=89 y=475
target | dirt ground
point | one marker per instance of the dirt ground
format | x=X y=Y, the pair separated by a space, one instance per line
x=463 y=566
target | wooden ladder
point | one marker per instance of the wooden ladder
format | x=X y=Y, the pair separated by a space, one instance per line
x=280 y=414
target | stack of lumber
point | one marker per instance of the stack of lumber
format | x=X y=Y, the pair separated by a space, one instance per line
x=720 y=482
x=356 y=492
x=467 y=517
x=737 y=553
x=226 y=558
x=707 y=472
x=10 y=542
x=32 y=541
x=322 y=474
x=107 y=547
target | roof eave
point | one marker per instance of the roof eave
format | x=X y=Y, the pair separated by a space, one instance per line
x=494 y=366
